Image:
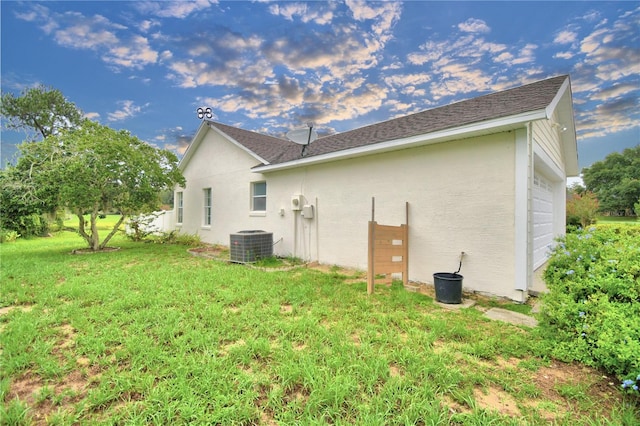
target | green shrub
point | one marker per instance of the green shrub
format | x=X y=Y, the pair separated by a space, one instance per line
x=175 y=237
x=8 y=235
x=141 y=226
x=582 y=209
x=592 y=309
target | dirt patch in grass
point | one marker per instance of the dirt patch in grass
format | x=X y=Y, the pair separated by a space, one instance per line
x=211 y=252
x=351 y=275
x=299 y=346
x=90 y=251
x=568 y=384
x=46 y=397
x=23 y=308
x=564 y=390
x=286 y=309
x=455 y=406
x=496 y=399
x=395 y=371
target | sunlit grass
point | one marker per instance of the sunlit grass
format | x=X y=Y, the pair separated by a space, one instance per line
x=152 y=335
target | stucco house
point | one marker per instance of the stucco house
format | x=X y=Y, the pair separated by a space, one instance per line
x=485 y=176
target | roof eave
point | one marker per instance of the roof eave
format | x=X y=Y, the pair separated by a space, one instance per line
x=199 y=136
x=461 y=132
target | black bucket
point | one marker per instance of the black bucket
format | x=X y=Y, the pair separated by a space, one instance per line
x=448 y=287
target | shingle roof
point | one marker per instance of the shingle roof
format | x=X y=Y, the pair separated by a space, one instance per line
x=519 y=100
x=264 y=146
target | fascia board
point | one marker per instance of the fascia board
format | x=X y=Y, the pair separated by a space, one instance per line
x=557 y=98
x=238 y=144
x=563 y=103
x=483 y=127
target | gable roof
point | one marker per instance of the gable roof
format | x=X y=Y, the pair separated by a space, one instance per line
x=508 y=109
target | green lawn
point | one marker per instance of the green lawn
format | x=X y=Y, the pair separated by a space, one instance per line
x=152 y=335
x=618 y=219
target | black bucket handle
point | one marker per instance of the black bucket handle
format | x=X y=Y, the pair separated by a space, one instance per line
x=460 y=266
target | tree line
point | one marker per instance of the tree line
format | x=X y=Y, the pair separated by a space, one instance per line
x=611 y=186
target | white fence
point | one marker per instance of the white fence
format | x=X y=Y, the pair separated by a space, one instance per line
x=155 y=223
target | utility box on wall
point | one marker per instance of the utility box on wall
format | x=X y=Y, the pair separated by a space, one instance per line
x=250 y=246
x=307 y=211
x=296 y=202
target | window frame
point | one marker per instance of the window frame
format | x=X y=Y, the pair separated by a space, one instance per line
x=207 y=208
x=255 y=197
x=179 y=207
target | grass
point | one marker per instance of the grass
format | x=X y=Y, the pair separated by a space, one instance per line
x=628 y=220
x=152 y=335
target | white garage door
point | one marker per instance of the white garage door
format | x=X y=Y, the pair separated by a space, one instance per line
x=542 y=220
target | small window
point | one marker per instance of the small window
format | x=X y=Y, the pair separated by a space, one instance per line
x=259 y=196
x=179 y=207
x=207 y=207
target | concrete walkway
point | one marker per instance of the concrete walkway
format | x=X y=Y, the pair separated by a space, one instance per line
x=511 y=317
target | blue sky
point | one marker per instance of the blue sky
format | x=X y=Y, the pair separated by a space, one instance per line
x=273 y=66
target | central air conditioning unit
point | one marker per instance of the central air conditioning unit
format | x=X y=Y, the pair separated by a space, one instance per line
x=297 y=201
x=250 y=246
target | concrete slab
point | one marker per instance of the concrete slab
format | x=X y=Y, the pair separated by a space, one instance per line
x=537 y=306
x=466 y=303
x=538 y=284
x=511 y=317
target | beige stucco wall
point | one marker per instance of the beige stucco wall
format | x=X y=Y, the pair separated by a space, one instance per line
x=225 y=168
x=461 y=197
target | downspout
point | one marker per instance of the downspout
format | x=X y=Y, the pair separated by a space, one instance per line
x=523 y=213
x=530 y=173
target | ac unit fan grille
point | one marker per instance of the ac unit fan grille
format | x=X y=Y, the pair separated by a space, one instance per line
x=250 y=246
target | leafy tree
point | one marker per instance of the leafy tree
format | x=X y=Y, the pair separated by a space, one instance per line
x=576 y=188
x=39 y=111
x=615 y=180
x=19 y=212
x=582 y=209
x=98 y=169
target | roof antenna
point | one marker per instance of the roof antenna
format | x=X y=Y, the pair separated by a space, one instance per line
x=303 y=136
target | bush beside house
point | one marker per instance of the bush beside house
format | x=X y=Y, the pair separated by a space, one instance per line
x=591 y=311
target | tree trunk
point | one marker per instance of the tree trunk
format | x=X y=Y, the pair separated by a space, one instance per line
x=95 y=238
x=81 y=225
x=113 y=232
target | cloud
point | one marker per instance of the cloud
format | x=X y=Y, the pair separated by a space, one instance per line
x=319 y=107
x=564 y=55
x=400 y=80
x=473 y=25
x=215 y=58
x=385 y=15
x=117 y=45
x=92 y=115
x=127 y=110
x=175 y=139
x=147 y=24
x=173 y=9
x=565 y=37
x=609 y=117
x=136 y=53
x=317 y=74
x=318 y=13
x=464 y=62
